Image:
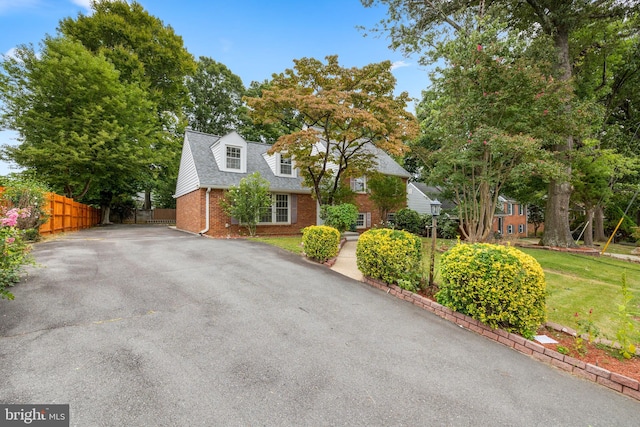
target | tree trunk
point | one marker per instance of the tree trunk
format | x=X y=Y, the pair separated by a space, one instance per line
x=588 y=231
x=106 y=198
x=557 y=231
x=598 y=225
x=556 y=216
x=147 y=200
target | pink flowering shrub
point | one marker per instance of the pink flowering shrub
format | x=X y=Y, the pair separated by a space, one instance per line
x=14 y=252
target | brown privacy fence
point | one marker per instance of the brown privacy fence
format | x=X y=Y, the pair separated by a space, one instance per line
x=68 y=215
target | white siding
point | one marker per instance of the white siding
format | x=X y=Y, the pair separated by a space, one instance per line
x=219 y=150
x=417 y=200
x=271 y=161
x=187 y=176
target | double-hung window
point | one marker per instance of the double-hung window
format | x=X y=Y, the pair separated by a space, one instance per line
x=285 y=166
x=233 y=157
x=359 y=185
x=278 y=212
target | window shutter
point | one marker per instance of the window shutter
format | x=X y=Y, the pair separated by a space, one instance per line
x=294 y=208
x=368 y=219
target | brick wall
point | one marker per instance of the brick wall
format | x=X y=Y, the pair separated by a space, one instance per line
x=514 y=219
x=190 y=211
x=191 y=216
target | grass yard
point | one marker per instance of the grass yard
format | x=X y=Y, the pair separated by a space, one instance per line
x=575 y=283
x=290 y=243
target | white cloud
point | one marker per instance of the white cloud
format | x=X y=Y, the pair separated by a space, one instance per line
x=82 y=3
x=11 y=5
x=400 y=64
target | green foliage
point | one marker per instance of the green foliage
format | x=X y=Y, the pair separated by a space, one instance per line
x=388 y=193
x=340 y=115
x=14 y=251
x=216 y=98
x=625 y=326
x=410 y=220
x=81 y=129
x=393 y=256
x=448 y=228
x=341 y=217
x=486 y=119
x=497 y=285
x=321 y=242
x=247 y=201
x=149 y=55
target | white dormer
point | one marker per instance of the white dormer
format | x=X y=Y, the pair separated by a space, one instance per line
x=230 y=153
x=281 y=165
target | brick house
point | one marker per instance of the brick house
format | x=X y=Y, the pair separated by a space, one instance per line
x=211 y=164
x=511 y=218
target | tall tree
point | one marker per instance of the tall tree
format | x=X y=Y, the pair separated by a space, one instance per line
x=145 y=51
x=338 y=114
x=490 y=109
x=216 y=98
x=79 y=126
x=414 y=26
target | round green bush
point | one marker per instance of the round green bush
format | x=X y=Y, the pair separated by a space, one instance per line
x=498 y=285
x=341 y=217
x=410 y=220
x=321 y=242
x=393 y=256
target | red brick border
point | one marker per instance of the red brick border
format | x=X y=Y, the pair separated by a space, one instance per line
x=625 y=385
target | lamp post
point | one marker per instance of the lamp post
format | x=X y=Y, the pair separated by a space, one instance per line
x=435 y=212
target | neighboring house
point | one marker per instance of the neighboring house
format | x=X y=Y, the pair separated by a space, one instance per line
x=211 y=164
x=420 y=196
x=511 y=218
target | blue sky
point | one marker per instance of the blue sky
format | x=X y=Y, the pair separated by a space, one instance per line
x=253 y=38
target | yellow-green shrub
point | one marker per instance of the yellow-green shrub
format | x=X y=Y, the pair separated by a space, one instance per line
x=320 y=242
x=500 y=286
x=393 y=256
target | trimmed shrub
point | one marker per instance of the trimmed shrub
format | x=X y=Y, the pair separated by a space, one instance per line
x=394 y=256
x=500 y=286
x=320 y=242
x=341 y=217
x=411 y=221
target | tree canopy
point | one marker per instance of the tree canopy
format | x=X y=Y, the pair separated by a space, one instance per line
x=421 y=26
x=80 y=127
x=336 y=115
x=150 y=54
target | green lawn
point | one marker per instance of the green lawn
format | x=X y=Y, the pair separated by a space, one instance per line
x=575 y=283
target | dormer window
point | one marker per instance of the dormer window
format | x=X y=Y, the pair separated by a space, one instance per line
x=285 y=166
x=359 y=185
x=233 y=158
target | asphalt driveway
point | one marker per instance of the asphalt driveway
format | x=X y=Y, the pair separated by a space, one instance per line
x=148 y=326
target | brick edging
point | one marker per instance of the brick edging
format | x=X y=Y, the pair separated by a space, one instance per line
x=625 y=385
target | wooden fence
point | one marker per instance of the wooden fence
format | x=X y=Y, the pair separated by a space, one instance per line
x=68 y=215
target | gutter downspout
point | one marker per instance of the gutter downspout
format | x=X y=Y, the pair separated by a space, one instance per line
x=207 y=202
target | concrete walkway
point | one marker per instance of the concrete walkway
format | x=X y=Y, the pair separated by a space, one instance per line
x=346 y=262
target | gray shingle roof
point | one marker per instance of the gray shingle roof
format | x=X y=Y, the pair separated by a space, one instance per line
x=435 y=192
x=209 y=175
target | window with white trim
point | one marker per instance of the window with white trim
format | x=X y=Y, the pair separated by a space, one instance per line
x=509 y=229
x=234 y=157
x=520 y=209
x=509 y=208
x=361 y=222
x=286 y=168
x=359 y=185
x=279 y=212
x=520 y=228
